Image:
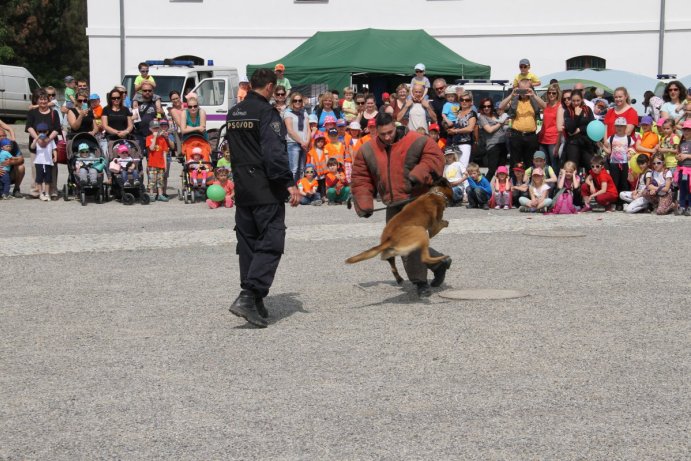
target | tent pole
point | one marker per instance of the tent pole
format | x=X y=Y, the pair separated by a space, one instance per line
x=661 y=46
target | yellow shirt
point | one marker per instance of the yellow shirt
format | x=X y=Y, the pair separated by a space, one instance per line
x=525 y=117
x=531 y=76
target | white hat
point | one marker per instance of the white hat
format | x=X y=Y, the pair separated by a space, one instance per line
x=243 y=79
x=420 y=66
x=620 y=121
x=354 y=126
x=451 y=89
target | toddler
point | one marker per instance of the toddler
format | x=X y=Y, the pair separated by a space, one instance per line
x=683 y=172
x=6 y=154
x=87 y=165
x=196 y=168
x=451 y=107
x=46 y=156
x=569 y=194
x=309 y=187
x=337 y=189
x=125 y=166
x=223 y=180
x=524 y=66
x=479 y=189
x=454 y=173
x=539 y=194
x=598 y=187
x=349 y=107
x=658 y=186
x=420 y=79
x=70 y=92
x=501 y=188
x=635 y=200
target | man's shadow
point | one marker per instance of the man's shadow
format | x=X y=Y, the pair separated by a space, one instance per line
x=280 y=306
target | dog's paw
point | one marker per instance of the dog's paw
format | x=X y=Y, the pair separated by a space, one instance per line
x=444 y=223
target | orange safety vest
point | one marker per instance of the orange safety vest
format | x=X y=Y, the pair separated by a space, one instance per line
x=318 y=161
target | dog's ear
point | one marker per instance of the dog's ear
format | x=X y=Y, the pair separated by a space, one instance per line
x=435 y=177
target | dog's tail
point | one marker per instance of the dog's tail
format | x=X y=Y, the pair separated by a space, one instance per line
x=367 y=254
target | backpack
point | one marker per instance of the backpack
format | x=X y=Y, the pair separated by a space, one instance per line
x=629 y=140
x=563 y=204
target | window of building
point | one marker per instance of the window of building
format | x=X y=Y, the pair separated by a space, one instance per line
x=585 y=62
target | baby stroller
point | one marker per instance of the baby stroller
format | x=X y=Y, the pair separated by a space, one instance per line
x=190 y=191
x=95 y=159
x=125 y=191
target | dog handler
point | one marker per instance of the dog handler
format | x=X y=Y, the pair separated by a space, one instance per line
x=263 y=181
x=399 y=166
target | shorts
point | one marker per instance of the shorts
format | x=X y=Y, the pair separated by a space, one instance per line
x=156 y=178
x=44 y=174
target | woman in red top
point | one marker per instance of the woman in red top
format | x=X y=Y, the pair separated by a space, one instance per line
x=549 y=134
x=622 y=108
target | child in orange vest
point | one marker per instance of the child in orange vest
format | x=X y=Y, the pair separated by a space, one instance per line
x=317 y=157
x=337 y=189
x=309 y=187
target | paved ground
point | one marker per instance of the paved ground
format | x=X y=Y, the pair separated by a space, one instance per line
x=117 y=343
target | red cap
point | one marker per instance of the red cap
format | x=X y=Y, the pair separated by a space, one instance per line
x=433 y=126
x=385 y=96
x=371 y=122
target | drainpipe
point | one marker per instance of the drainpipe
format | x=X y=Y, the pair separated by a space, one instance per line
x=661 y=46
x=122 y=37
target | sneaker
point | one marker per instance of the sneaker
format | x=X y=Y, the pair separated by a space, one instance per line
x=161 y=198
x=523 y=208
x=485 y=207
x=687 y=212
x=587 y=208
x=54 y=196
x=317 y=203
x=470 y=207
x=6 y=196
x=497 y=207
x=423 y=290
x=506 y=207
x=440 y=272
x=17 y=194
x=127 y=184
x=678 y=211
x=44 y=197
x=532 y=210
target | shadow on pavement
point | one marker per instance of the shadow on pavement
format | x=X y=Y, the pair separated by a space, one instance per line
x=280 y=307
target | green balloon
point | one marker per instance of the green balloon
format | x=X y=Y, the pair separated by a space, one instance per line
x=216 y=193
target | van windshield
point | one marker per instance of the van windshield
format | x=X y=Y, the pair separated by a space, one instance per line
x=164 y=85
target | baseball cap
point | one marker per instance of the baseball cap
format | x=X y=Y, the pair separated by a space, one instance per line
x=524 y=62
x=538 y=172
x=244 y=79
x=333 y=132
x=385 y=96
x=660 y=122
x=502 y=169
x=354 y=126
x=309 y=166
x=197 y=151
x=420 y=66
x=279 y=66
x=646 y=120
x=164 y=121
x=340 y=122
x=94 y=96
x=433 y=126
x=313 y=118
x=620 y=121
x=449 y=152
x=539 y=154
x=318 y=135
x=518 y=167
x=371 y=122
x=5 y=142
x=451 y=89
x=122 y=148
x=69 y=79
x=154 y=124
x=329 y=119
x=83 y=146
x=686 y=125
x=42 y=127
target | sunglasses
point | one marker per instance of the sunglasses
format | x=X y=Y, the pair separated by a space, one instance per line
x=551 y=92
x=143 y=71
x=595 y=167
x=674 y=89
x=523 y=66
x=280 y=94
x=190 y=106
x=658 y=163
x=297 y=101
x=466 y=99
x=309 y=171
x=115 y=98
x=147 y=91
x=486 y=107
x=360 y=103
x=50 y=95
x=84 y=151
x=82 y=100
x=419 y=71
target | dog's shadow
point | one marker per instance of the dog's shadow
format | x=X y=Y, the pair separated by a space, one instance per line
x=281 y=306
x=407 y=296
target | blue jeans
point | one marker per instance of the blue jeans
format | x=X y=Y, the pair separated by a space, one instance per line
x=552 y=159
x=5 y=181
x=477 y=197
x=308 y=200
x=296 y=160
x=457 y=194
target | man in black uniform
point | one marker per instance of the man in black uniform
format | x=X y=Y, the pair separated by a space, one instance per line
x=256 y=136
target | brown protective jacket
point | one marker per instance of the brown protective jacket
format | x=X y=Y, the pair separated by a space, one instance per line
x=397 y=172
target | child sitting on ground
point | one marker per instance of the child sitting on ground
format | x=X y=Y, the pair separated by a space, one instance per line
x=87 y=165
x=454 y=173
x=308 y=187
x=337 y=189
x=569 y=190
x=197 y=168
x=598 y=191
x=501 y=188
x=658 y=186
x=317 y=157
x=540 y=161
x=222 y=179
x=519 y=185
x=539 y=194
x=479 y=189
x=683 y=172
x=125 y=166
x=635 y=201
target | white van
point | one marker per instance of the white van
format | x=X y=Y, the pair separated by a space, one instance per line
x=16 y=86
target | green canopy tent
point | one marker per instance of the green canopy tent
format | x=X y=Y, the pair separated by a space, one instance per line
x=332 y=58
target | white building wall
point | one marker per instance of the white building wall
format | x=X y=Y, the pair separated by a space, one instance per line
x=498 y=33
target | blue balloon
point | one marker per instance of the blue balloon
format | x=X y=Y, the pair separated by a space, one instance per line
x=596 y=130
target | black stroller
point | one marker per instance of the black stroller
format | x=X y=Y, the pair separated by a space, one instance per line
x=127 y=191
x=84 y=156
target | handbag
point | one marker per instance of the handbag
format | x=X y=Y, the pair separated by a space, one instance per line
x=60 y=145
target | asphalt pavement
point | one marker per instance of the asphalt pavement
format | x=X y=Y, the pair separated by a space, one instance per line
x=117 y=342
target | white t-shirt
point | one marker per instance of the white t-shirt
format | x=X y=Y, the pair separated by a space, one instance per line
x=620 y=149
x=541 y=191
x=417 y=117
x=44 y=155
x=659 y=176
x=454 y=172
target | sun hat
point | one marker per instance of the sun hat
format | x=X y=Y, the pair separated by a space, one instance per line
x=686 y=125
x=538 y=172
x=69 y=79
x=279 y=66
x=329 y=119
x=451 y=89
x=340 y=122
x=661 y=121
x=319 y=135
x=518 y=167
x=313 y=118
x=197 y=151
x=502 y=169
x=83 y=146
x=244 y=79
x=433 y=126
x=449 y=151
x=354 y=126
x=620 y=121
x=539 y=154
x=122 y=148
x=646 y=120
x=420 y=66
x=524 y=62
x=164 y=121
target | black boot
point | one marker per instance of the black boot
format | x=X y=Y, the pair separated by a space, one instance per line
x=261 y=308
x=244 y=307
x=423 y=290
x=440 y=272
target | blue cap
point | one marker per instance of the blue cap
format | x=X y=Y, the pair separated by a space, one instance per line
x=646 y=120
x=5 y=142
x=94 y=96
